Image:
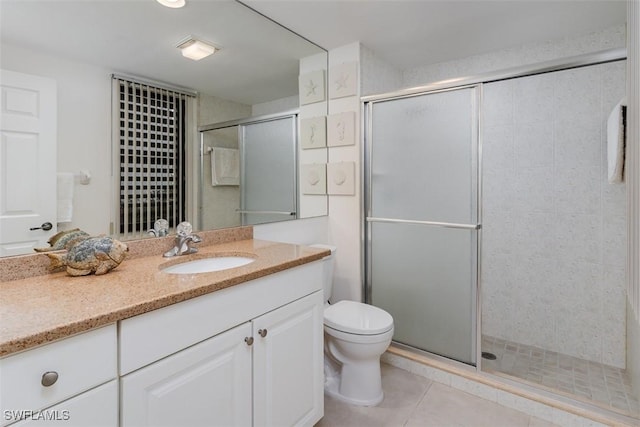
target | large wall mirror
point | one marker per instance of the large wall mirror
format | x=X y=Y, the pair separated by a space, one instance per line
x=89 y=62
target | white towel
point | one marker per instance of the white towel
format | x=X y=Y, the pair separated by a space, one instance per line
x=616 y=144
x=64 y=193
x=225 y=166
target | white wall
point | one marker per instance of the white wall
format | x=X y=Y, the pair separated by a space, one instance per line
x=520 y=55
x=344 y=211
x=84 y=129
x=277 y=106
x=377 y=75
x=300 y=232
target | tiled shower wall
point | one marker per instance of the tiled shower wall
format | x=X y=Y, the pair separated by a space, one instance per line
x=554 y=229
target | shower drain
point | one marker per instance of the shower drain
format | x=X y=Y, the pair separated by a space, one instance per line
x=488 y=356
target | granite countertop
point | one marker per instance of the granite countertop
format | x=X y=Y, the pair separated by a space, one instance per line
x=40 y=309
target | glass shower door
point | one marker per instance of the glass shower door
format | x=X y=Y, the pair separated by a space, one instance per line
x=268 y=183
x=422 y=219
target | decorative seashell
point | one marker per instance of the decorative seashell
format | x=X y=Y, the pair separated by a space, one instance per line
x=97 y=255
x=64 y=240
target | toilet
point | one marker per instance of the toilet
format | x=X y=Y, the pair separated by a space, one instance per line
x=355 y=336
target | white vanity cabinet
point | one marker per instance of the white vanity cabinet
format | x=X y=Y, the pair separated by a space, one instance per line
x=288 y=362
x=251 y=354
x=70 y=382
x=208 y=384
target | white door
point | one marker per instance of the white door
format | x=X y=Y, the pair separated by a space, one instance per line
x=208 y=384
x=27 y=161
x=288 y=364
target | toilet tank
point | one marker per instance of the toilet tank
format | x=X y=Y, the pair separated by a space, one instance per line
x=327 y=269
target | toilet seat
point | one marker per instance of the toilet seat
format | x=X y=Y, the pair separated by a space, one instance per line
x=354 y=317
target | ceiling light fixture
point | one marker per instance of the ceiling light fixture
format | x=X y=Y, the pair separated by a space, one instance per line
x=195 y=49
x=172 y=3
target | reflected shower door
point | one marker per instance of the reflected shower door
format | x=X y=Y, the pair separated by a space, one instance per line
x=269 y=189
x=422 y=219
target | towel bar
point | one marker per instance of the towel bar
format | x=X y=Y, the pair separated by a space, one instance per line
x=266 y=212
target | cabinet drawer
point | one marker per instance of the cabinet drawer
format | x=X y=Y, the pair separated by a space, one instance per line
x=81 y=362
x=96 y=408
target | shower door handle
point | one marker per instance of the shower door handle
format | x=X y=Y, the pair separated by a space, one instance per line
x=433 y=223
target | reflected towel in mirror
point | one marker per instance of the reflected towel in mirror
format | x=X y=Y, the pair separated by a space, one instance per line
x=64 y=196
x=225 y=166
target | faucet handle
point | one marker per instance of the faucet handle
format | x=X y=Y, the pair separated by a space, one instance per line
x=161 y=226
x=184 y=229
x=195 y=238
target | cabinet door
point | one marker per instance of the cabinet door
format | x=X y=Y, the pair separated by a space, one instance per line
x=96 y=408
x=206 y=384
x=288 y=364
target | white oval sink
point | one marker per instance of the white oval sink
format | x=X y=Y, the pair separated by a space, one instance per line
x=207 y=265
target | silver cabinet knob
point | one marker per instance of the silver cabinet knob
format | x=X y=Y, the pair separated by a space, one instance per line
x=49 y=378
x=249 y=340
x=262 y=332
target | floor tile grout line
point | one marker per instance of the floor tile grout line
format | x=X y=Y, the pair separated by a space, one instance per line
x=415 y=408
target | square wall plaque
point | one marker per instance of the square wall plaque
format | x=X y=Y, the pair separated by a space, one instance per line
x=313 y=178
x=341 y=129
x=341 y=178
x=313 y=132
x=343 y=80
x=311 y=87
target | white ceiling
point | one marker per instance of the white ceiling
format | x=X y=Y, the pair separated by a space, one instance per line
x=414 y=33
x=258 y=60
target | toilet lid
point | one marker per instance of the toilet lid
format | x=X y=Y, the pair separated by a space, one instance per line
x=357 y=318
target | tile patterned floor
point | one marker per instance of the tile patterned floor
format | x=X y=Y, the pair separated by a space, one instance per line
x=603 y=385
x=414 y=401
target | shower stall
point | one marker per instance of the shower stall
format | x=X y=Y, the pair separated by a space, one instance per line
x=492 y=234
x=256 y=182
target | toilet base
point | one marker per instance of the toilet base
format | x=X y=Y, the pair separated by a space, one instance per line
x=359 y=384
x=332 y=388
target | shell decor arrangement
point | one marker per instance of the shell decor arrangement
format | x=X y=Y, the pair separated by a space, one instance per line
x=64 y=240
x=98 y=255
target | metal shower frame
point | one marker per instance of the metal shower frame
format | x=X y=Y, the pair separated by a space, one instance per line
x=367 y=102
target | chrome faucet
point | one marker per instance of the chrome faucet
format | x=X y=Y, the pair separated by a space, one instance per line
x=183 y=237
